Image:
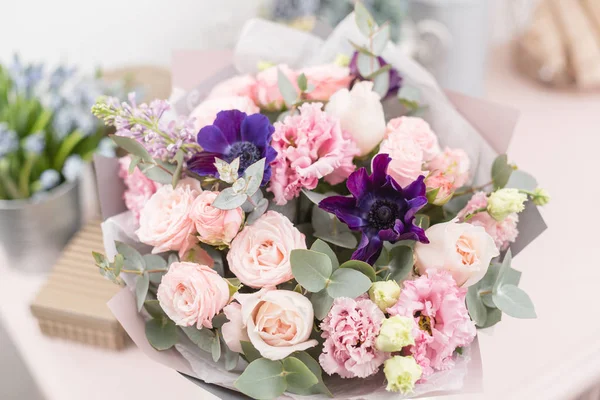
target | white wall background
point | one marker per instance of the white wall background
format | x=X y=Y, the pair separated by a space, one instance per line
x=110 y=33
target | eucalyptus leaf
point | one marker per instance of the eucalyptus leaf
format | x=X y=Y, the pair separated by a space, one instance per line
x=177 y=173
x=153 y=308
x=302 y=82
x=346 y=282
x=384 y=259
x=476 y=308
x=215 y=348
x=203 y=338
x=286 y=88
x=365 y=22
x=330 y=229
x=173 y=257
x=249 y=206
x=254 y=175
x=381 y=84
x=342 y=239
x=133 y=147
x=322 y=247
x=154 y=261
x=315 y=197
x=321 y=302
x=263 y=380
x=231 y=357
x=514 y=302
x=506 y=265
x=135 y=160
x=142 y=284
x=298 y=375
x=229 y=200
x=118 y=264
x=217 y=257
x=132 y=259
x=501 y=171
x=157 y=174
x=401 y=262
x=161 y=333
x=315 y=368
x=260 y=209
x=409 y=95
x=522 y=180
x=366 y=64
x=493 y=317
x=311 y=269
x=362 y=267
x=250 y=352
x=423 y=221
x=380 y=39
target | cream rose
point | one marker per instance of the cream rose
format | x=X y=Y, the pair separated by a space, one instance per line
x=192 y=294
x=462 y=249
x=206 y=112
x=419 y=130
x=277 y=322
x=165 y=222
x=214 y=226
x=360 y=113
x=260 y=254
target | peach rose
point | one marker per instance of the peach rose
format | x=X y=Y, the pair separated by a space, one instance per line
x=240 y=85
x=165 y=222
x=326 y=79
x=419 y=130
x=206 y=112
x=214 y=226
x=234 y=331
x=260 y=254
x=464 y=250
x=277 y=322
x=266 y=90
x=407 y=158
x=192 y=294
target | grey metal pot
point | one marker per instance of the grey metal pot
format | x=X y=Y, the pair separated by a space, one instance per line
x=34 y=232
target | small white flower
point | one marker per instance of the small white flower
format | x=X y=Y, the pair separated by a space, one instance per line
x=228 y=172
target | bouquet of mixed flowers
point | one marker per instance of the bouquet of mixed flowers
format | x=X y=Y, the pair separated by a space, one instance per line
x=289 y=237
x=46 y=130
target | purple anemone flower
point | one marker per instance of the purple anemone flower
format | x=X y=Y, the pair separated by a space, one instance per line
x=234 y=134
x=380 y=208
x=395 y=78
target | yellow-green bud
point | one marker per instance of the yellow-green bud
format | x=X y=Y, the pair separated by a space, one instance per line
x=342 y=60
x=504 y=202
x=262 y=65
x=540 y=197
x=385 y=294
x=395 y=334
x=401 y=373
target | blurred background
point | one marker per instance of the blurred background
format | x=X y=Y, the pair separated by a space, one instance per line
x=539 y=56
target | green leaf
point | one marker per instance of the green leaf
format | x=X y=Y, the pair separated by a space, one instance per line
x=506 y=264
x=410 y=96
x=315 y=368
x=367 y=65
x=302 y=82
x=154 y=261
x=99 y=258
x=384 y=259
x=231 y=357
x=342 y=239
x=234 y=285
x=229 y=200
x=250 y=352
x=493 y=317
x=177 y=173
x=154 y=309
x=365 y=22
x=133 y=147
x=135 y=160
x=322 y=247
x=315 y=197
x=423 y=221
x=362 y=267
x=286 y=88
x=260 y=209
x=522 y=180
x=203 y=338
x=142 y=284
x=219 y=320
x=262 y=379
x=254 y=175
x=157 y=173
x=381 y=84
x=215 y=348
x=401 y=262
x=321 y=302
x=330 y=229
x=132 y=258
x=477 y=309
x=161 y=333
x=346 y=282
x=380 y=39
x=501 y=171
x=514 y=302
x=118 y=264
x=311 y=269
x=298 y=375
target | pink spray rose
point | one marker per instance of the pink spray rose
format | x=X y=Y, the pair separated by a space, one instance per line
x=310 y=146
x=326 y=79
x=454 y=164
x=503 y=232
x=206 y=112
x=235 y=330
x=277 y=322
x=407 y=158
x=266 y=89
x=260 y=254
x=240 y=85
x=214 y=226
x=192 y=294
x=438 y=307
x=139 y=187
x=165 y=222
x=350 y=331
x=419 y=130
x=444 y=185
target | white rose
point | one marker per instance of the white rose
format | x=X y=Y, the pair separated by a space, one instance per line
x=360 y=113
x=462 y=249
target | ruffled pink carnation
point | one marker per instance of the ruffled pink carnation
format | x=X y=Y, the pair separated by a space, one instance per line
x=503 y=232
x=454 y=163
x=139 y=187
x=438 y=307
x=310 y=146
x=326 y=79
x=350 y=330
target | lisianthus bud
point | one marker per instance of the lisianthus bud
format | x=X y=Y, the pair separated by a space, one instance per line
x=342 y=60
x=540 y=197
x=401 y=373
x=395 y=334
x=503 y=202
x=385 y=294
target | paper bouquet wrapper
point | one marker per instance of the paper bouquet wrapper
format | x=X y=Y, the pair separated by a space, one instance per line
x=481 y=128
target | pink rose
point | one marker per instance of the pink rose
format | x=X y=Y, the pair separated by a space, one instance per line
x=419 y=130
x=407 y=158
x=139 y=187
x=444 y=186
x=192 y=294
x=234 y=331
x=266 y=90
x=260 y=254
x=277 y=322
x=503 y=232
x=454 y=163
x=214 y=226
x=240 y=85
x=309 y=146
x=206 y=112
x=165 y=222
x=326 y=79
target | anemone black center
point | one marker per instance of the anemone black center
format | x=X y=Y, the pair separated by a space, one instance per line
x=246 y=151
x=383 y=214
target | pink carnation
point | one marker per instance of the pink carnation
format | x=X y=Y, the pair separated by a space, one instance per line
x=350 y=331
x=438 y=307
x=139 y=187
x=454 y=163
x=326 y=79
x=310 y=146
x=265 y=91
x=503 y=232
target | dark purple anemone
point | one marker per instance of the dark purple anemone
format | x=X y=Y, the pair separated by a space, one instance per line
x=235 y=134
x=395 y=78
x=379 y=208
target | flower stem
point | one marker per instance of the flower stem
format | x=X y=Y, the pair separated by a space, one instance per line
x=473 y=189
x=471 y=215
